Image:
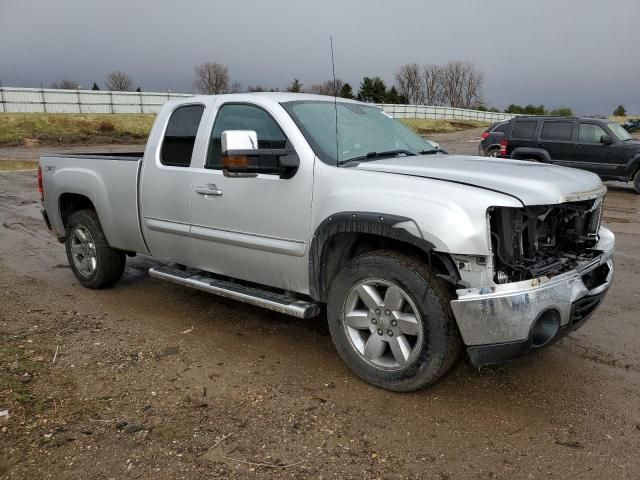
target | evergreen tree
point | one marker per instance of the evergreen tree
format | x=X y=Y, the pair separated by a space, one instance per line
x=95 y=86
x=372 y=90
x=392 y=96
x=295 y=87
x=346 y=91
x=138 y=90
x=620 y=111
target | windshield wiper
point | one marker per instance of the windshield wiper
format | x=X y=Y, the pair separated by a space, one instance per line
x=375 y=155
x=430 y=152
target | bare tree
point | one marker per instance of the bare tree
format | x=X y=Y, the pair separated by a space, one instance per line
x=472 y=92
x=236 y=87
x=65 y=84
x=118 y=81
x=410 y=84
x=461 y=84
x=328 y=87
x=212 y=78
x=432 y=81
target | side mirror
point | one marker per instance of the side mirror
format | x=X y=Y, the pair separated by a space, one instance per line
x=606 y=140
x=241 y=156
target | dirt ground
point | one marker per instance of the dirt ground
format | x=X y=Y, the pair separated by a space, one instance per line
x=154 y=381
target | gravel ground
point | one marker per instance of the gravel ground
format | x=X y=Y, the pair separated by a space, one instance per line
x=154 y=381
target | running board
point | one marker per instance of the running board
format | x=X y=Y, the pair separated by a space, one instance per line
x=251 y=295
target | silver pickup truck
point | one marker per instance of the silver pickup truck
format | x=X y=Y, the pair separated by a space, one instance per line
x=292 y=202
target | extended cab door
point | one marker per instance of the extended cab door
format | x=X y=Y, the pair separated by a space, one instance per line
x=165 y=189
x=253 y=228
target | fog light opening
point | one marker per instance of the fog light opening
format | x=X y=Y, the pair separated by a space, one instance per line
x=545 y=328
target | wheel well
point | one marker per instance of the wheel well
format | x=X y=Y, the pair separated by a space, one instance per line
x=342 y=247
x=527 y=156
x=72 y=202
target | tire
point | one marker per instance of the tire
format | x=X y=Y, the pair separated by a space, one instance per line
x=636 y=182
x=493 y=153
x=94 y=263
x=431 y=336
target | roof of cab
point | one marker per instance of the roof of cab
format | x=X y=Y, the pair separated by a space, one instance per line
x=265 y=97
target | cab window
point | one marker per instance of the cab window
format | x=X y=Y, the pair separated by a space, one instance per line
x=180 y=137
x=243 y=117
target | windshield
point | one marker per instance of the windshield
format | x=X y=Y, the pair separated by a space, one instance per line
x=618 y=131
x=364 y=132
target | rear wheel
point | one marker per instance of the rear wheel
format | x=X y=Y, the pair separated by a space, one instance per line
x=493 y=153
x=94 y=263
x=391 y=321
x=636 y=182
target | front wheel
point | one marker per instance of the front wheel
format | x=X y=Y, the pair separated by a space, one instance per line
x=391 y=322
x=94 y=263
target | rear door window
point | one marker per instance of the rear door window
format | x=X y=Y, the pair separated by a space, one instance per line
x=590 y=133
x=557 y=131
x=180 y=137
x=524 y=130
x=501 y=128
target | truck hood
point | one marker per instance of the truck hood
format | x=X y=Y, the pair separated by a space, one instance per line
x=530 y=182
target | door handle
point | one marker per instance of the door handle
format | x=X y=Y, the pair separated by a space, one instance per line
x=209 y=189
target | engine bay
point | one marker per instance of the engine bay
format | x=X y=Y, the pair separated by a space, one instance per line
x=543 y=240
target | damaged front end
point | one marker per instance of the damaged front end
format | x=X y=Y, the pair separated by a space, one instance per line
x=549 y=270
x=543 y=240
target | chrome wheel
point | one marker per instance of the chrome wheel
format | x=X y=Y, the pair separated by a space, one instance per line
x=383 y=324
x=83 y=251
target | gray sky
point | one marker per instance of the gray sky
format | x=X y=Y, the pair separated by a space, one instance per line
x=580 y=53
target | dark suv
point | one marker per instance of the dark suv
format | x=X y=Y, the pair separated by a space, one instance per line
x=600 y=146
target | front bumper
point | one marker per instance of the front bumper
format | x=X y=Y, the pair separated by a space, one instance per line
x=497 y=322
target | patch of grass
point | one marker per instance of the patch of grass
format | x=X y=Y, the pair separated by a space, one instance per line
x=8 y=165
x=425 y=126
x=68 y=128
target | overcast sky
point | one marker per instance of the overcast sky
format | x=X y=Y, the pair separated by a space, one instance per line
x=581 y=53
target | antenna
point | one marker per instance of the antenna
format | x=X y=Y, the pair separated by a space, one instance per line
x=335 y=97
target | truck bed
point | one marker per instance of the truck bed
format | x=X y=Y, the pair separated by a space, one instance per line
x=109 y=180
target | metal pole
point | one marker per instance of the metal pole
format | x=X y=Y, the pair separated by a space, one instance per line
x=44 y=102
x=111 y=100
x=79 y=103
x=4 y=107
x=141 y=109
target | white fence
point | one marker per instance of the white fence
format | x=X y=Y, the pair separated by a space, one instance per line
x=443 y=113
x=51 y=100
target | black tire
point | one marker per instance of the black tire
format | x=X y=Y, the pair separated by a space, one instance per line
x=109 y=261
x=440 y=344
x=492 y=152
x=636 y=182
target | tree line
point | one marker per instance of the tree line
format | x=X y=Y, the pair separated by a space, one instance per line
x=454 y=84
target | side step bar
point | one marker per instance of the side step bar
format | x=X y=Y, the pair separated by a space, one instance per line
x=251 y=295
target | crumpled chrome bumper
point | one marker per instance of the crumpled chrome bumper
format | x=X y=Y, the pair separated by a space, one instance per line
x=500 y=315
